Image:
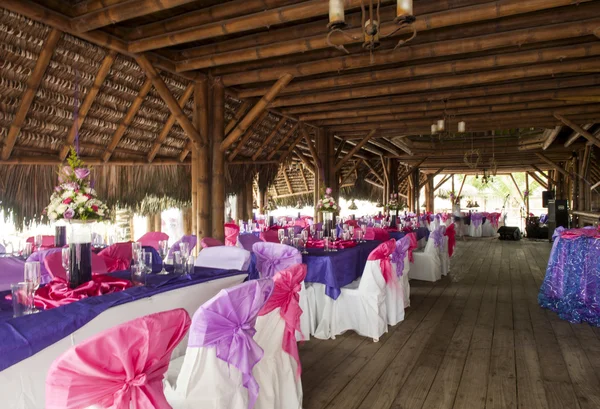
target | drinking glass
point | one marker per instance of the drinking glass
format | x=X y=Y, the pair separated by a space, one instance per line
x=136 y=248
x=358 y=235
x=296 y=242
x=138 y=274
x=189 y=265
x=346 y=236
x=291 y=232
x=22 y=299
x=33 y=276
x=163 y=250
x=333 y=239
x=28 y=249
x=184 y=248
x=281 y=235
x=65 y=258
x=38 y=241
x=147 y=261
x=320 y=235
x=326 y=244
x=177 y=262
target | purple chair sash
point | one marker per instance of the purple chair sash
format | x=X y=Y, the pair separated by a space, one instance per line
x=476 y=219
x=399 y=254
x=40 y=256
x=227 y=323
x=190 y=239
x=438 y=236
x=247 y=240
x=274 y=257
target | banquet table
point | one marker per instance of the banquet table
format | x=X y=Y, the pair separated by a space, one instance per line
x=571 y=287
x=11 y=271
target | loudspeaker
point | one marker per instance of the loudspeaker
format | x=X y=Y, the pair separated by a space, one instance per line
x=546 y=196
x=561 y=213
x=509 y=233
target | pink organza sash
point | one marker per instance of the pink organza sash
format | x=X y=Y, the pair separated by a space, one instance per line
x=269 y=236
x=57 y=291
x=451 y=233
x=210 y=242
x=120 y=368
x=383 y=253
x=413 y=245
x=117 y=257
x=232 y=232
x=153 y=238
x=338 y=244
x=286 y=296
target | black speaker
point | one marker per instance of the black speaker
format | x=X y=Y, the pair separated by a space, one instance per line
x=509 y=233
x=562 y=213
x=546 y=196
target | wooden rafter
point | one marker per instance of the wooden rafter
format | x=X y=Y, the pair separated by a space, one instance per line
x=124 y=124
x=386 y=175
x=369 y=181
x=282 y=142
x=304 y=160
x=88 y=102
x=339 y=149
x=430 y=177
x=550 y=136
x=374 y=172
x=246 y=136
x=287 y=181
x=554 y=165
x=539 y=180
x=33 y=82
x=410 y=171
x=269 y=138
x=169 y=124
x=256 y=110
x=290 y=148
x=242 y=110
x=311 y=148
x=354 y=169
x=354 y=150
x=441 y=182
x=576 y=135
x=587 y=135
x=517 y=186
x=304 y=181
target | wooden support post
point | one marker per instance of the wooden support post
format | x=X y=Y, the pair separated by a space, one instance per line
x=202 y=161
x=88 y=102
x=255 y=112
x=187 y=220
x=354 y=150
x=194 y=187
x=218 y=160
x=249 y=199
x=150 y=222
x=430 y=195
x=124 y=124
x=528 y=193
x=157 y=221
x=33 y=82
x=518 y=188
x=331 y=176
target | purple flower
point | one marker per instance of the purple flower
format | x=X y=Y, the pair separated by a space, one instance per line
x=69 y=213
x=82 y=173
x=57 y=189
x=328 y=191
x=70 y=186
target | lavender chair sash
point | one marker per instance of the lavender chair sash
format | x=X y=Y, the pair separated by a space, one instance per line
x=438 y=236
x=40 y=256
x=476 y=219
x=274 y=257
x=399 y=254
x=247 y=240
x=227 y=321
x=190 y=239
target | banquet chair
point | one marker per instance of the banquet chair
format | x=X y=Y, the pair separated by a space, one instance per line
x=152 y=238
x=40 y=256
x=47 y=242
x=186 y=238
x=361 y=304
x=216 y=371
x=274 y=257
x=2 y=249
x=117 y=256
x=225 y=257
x=475 y=229
x=210 y=242
x=232 y=231
x=53 y=265
x=247 y=240
x=278 y=372
x=121 y=367
x=401 y=260
x=427 y=265
x=269 y=236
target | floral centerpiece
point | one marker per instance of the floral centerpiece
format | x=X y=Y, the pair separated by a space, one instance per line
x=327 y=204
x=394 y=204
x=75 y=201
x=73 y=197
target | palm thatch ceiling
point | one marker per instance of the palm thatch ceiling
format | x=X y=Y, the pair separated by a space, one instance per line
x=523 y=75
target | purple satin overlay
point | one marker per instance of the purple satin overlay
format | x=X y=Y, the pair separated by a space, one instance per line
x=274 y=257
x=571 y=287
x=11 y=271
x=399 y=254
x=25 y=336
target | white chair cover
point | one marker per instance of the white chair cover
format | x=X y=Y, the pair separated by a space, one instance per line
x=444 y=257
x=487 y=230
x=225 y=257
x=475 y=231
x=396 y=296
x=427 y=265
x=276 y=371
x=360 y=307
x=308 y=305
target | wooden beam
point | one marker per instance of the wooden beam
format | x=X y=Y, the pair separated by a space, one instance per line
x=184 y=153
x=90 y=160
x=313 y=150
x=291 y=148
x=357 y=164
x=386 y=175
x=120 y=12
x=550 y=135
x=518 y=189
x=253 y=162
x=238 y=115
x=88 y=102
x=461 y=186
x=170 y=122
x=576 y=135
x=441 y=182
x=171 y=102
x=217 y=131
x=587 y=135
x=293 y=194
x=410 y=171
x=372 y=169
x=124 y=124
x=539 y=180
x=255 y=112
x=541 y=172
x=282 y=141
x=430 y=177
x=554 y=165
x=33 y=82
x=246 y=136
x=354 y=150
x=595 y=186
x=339 y=149
x=269 y=138
x=305 y=161
x=369 y=181
x=267 y=18
x=287 y=181
x=304 y=178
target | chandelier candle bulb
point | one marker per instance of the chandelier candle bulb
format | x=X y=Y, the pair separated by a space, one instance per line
x=404 y=8
x=462 y=127
x=336 y=14
x=440 y=125
x=434 y=129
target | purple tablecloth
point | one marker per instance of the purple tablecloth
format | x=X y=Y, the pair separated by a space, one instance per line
x=11 y=271
x=397 y=235
x=25 y=336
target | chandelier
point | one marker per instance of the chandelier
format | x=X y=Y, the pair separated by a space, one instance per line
x=371 y=22
x=487 y=177
x=441 y=126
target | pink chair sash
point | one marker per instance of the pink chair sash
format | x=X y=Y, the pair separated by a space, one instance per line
x=270 y=236
x=119 y=368
x=152 y=238
x=232 y=231
x=47 y=242
x=383 y=253
x=286 y=296
x=210 y=242
x=53 y=264
x=413 y=246
x=451 y=233
x=227 y=323
x=370 y=233
x=117 y=256
x=381 y=234
x=274 y=257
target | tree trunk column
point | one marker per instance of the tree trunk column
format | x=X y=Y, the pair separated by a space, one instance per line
x=218 y=159
x=249 y=200
x=201 y=163
x=416 y=190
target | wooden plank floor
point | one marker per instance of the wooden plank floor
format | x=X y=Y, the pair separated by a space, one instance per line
x=475 y=340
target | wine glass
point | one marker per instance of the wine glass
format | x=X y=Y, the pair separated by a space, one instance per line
x=184 y=248
x=333 y=239
x=163 y=250
x=33 y=276
x=136 y=249
x=65 y=258
x=281 y=235
x=326 y=244
x=38 y=241
x=147 y=261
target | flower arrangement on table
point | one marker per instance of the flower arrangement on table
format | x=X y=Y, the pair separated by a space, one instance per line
x=73 y=197
x=327 y=204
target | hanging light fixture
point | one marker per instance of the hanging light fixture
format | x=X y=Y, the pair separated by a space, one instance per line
x=370 y=22
x=440 y=127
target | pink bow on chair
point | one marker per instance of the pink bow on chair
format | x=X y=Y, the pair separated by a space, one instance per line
x=383 y=253
x=286 y=295
x=119 y=368
x=232 y=231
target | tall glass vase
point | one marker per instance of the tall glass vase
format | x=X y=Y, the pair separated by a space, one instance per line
x=327 y=223
x=80 y=253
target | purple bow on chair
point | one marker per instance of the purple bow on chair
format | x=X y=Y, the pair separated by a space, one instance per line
x=477 y=219
x=227 y=322
x=438 y=236
x=399 y=254
x=274 y=257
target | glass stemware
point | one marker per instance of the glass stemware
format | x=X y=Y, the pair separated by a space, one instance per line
x=22 y=299
x=326 y=244
x=333 y=239
x=163 y=250
x=33 y=276
x=28 y=249
x=184 y=248
x=281 y=235
x=65 y=258
x=38 y=241
x=136 y=249
x=147 y=261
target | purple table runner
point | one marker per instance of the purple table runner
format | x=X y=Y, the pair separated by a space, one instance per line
x=25 y=336
x=11 y=271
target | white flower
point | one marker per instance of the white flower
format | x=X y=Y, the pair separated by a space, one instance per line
x=67 y=193
x=60 y=209
x=79 y=199
x=81 y=210
x=53 y=216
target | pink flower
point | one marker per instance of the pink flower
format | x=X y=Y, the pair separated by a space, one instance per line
x=89 y=197
x=82 y=173
x=57 y=189
x=67 y=170
x=69 y=214
x=95 y=208
x=328 y=191
x=67 y=201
